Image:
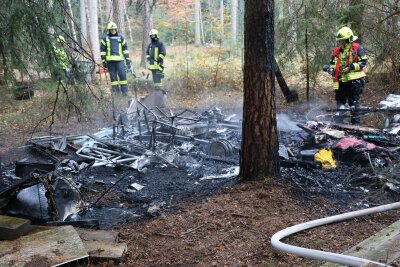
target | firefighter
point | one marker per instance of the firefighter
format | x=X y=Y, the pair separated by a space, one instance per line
x=62 y=59
x=155 y=55
x=114 y=54
x=347 y=68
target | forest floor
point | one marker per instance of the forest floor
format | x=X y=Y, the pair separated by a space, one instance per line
x=232 y=227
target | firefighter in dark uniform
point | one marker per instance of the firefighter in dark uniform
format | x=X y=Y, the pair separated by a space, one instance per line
x=155 y=58
x=114 y=53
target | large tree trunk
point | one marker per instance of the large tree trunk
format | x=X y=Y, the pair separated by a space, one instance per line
x=147 y=25
x=84 y=33
x=259 y=154
x=234 y=6
x=94 y=30
x=197 y=8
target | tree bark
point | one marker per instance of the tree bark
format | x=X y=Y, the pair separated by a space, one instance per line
x=259 y=154
x=290 y=96
x=128 y=22
x=197 y=8
x=84 y=33
x=221 y=17
x=94 y=30
x=109 y=11
x=119 y=16
x=234 y=6
x=147 y=25
x=70 y=20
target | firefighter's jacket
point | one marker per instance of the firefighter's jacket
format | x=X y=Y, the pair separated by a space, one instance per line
x=155 y=55
x=352 y=56
x=113 y=48
x=61 y=56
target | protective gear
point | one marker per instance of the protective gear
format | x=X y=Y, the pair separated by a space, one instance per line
x=348 y=63
x=105 y=64
x=345 y=33
x=113 y=48
x=128 y=64
x=153 y=32
x=114 y=51
x=112 y=26
x=60 y=39
x=155 y=55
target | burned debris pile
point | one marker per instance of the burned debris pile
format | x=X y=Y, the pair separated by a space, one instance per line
x=153 y=157
x=150 y=158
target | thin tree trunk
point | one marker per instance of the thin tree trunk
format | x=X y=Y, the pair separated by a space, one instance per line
x=290 y=96
x=147 y=25
x=84 y=33
x=234 y=6
x=94 y=30
x=128 y=21
x=259 y=154
x=203 y=39
x=197 y=8
x=70 y=20
x=221 y=17
x=119 y=16
x=109 y=11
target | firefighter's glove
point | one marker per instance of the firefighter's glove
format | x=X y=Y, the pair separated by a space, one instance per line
x=128 y=64
x=105 y=64
x=348 y=68
x=160 y=61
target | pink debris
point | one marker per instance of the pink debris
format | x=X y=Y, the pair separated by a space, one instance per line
x=347 y=142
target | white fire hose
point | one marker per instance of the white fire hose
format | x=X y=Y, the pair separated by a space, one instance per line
x=322 y=255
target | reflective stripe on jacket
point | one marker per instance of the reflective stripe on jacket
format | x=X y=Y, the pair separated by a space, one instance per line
x=155 y=55
x=113 y=48
x=61 y=57
x=352 y=56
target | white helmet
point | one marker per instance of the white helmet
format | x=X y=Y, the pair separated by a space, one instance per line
x=153 y=32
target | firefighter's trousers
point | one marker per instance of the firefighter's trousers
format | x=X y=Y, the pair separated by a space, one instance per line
x=117 y=70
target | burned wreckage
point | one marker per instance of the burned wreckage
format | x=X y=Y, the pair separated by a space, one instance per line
x=154 y=156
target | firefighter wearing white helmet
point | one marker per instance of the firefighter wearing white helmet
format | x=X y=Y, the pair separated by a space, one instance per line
x=347 y=68
x=155 y=55
x=114 y=52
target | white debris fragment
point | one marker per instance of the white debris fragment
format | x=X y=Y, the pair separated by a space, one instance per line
x=229 y=172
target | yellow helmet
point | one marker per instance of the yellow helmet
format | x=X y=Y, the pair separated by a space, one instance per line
x=345 y=33
x=112 y=26
x=153 y=32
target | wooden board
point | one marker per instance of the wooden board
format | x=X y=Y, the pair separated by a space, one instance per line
x=382 y=247
x=12 y=227
x=53 y=247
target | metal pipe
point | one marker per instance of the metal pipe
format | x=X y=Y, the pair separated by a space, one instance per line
x=322 y=255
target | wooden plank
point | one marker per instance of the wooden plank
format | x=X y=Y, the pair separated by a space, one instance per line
x=381 y=247
x=11 y=227
x=53 y=247
x=102 y=245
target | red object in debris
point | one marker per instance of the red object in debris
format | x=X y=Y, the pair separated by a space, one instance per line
x=348 y=142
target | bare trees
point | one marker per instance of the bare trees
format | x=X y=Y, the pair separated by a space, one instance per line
x=259 y=155
x=147 y=25
x=197 y=8
x=94 y=30
x=83 y=22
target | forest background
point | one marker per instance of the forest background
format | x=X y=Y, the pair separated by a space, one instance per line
x=204 y=42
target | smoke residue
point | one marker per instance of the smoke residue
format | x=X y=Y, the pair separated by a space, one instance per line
x=286 y=124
